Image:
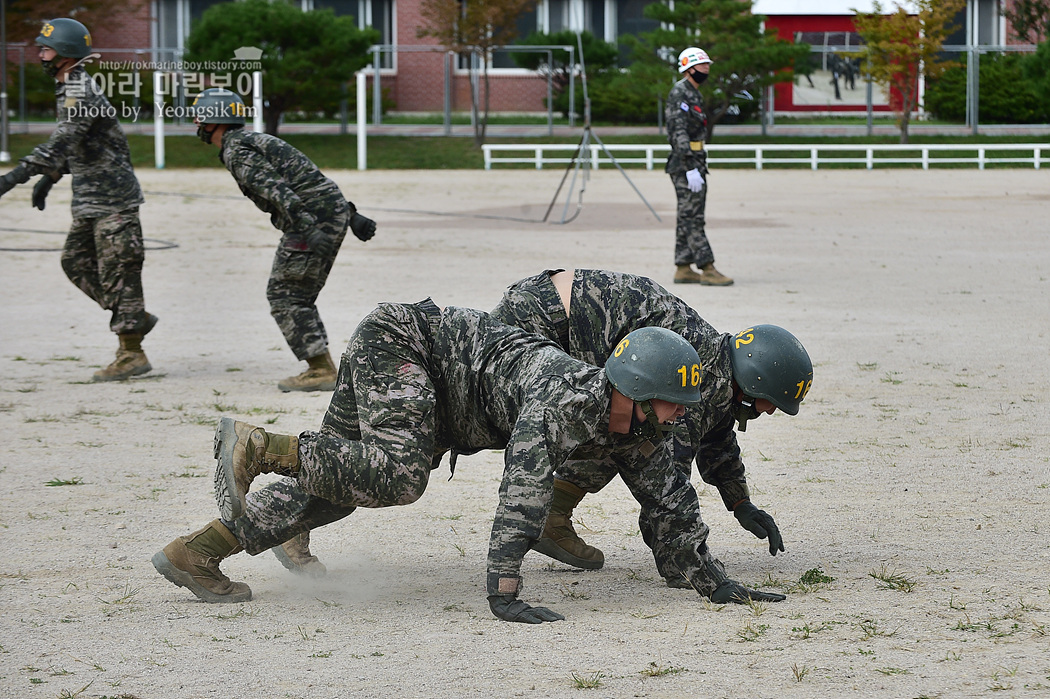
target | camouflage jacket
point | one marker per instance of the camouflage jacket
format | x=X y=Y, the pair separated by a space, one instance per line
x=502 y=387
x=686 y=121
x=606 y=306
x=89 y=144
x=279 y=179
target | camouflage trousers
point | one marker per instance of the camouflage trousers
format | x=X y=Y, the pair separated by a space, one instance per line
x=103 y=257
x=378 y=442
x=296 y=279
x=690 y=240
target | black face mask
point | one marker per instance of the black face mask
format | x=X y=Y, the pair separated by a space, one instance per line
x=203 y=134
x=51 y=67
x=698 y=77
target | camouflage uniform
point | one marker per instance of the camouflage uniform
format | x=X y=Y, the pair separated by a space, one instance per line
x=103 y=253
x=313 y=215
x=606 y=306
x=416 y=382
x=687 y=122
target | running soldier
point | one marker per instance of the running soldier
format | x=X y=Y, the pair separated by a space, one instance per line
x=759 y=370
x=306 y=207
x=687 y=166
x=103 y=253
x=416 y=382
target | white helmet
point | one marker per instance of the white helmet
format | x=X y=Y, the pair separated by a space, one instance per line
x=692 y=56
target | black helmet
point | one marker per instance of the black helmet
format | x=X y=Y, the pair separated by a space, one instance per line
x=655 y=363
x=218 y=106
x=68 y=37
x=769 y=362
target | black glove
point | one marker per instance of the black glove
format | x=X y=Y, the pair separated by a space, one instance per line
x=761 y=524
x=510 y=608
x=732 y=591
x=40 y=190
x=362 y=226
x=13 y=179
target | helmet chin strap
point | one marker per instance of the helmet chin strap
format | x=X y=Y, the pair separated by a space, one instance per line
x=203 y=133
x=743 y=411
x=651 y=428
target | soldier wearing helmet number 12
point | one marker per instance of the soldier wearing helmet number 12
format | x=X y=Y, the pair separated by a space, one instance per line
x=306 y=207
x=687 y=166
x=103 y=252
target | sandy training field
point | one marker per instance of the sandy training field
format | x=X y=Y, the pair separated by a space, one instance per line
x=913 y=488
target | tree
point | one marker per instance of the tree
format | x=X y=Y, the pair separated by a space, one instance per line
x=307 y=56
x=473 y=27
x=746 y=56
x=25 y=17
x=899 y=47
x=598 y=56
x=1030 y=19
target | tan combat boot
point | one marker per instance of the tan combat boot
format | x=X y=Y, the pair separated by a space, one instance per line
x=295 y=555
x=130 y=361
x=193 y=562
x=559 y=539
x=320 y=376
x=244 y=451
x=684 y=274
x=709 y=276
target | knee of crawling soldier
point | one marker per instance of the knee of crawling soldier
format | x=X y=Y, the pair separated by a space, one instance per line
x=411 y=490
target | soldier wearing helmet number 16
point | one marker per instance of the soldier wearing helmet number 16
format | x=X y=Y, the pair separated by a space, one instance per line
x=309 y=210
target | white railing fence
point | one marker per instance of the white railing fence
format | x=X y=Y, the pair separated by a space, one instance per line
x=763 y=155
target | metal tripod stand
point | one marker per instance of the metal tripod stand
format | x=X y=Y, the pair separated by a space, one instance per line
x=580 y=164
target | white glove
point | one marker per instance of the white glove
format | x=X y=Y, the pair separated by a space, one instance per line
x=695 y=179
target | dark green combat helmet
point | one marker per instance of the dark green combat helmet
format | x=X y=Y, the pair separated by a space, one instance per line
x=217 y=106
x=69 y=39
x=654 y=363
x=769 y=362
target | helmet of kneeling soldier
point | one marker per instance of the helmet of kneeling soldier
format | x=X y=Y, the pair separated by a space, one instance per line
x=769 y=362
x=655 y=363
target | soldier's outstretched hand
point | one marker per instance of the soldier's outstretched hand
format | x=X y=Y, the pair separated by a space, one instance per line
x=509 y=608
x=761 y=524
x=362 y=226
x=734 y=592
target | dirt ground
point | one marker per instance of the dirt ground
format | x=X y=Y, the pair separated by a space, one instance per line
x=916 y=476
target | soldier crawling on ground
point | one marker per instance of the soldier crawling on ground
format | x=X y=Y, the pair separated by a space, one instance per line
x=416 y=382
x=587 y=312
x=306 y=207
x=103 y=253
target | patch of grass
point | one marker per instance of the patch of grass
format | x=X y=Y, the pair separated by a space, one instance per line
x=751 y=632
x=654 y=670
x=56 y=482
x=592 y=682
x=812 y=580
x=893 y=671
x=799 y=671
x=889 y=579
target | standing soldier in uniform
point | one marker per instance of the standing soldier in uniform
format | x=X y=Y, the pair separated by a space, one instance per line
x=103 y=253
x=759 y=370
x=687 y=166
x=587 y=313
x=306 y=207
x=415 y=382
